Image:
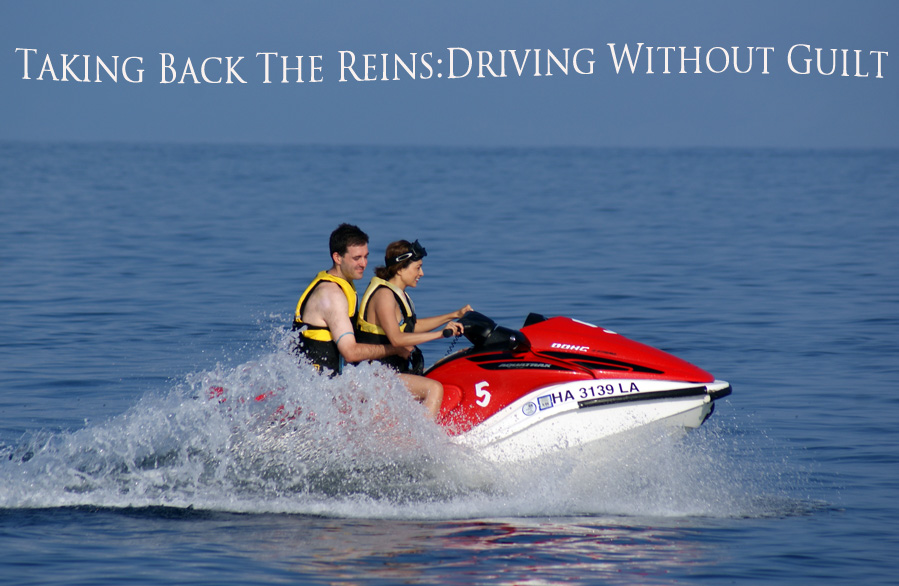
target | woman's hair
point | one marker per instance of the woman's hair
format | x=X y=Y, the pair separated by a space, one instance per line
x=394 y=249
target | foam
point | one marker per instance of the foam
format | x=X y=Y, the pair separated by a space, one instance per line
x=271 y=435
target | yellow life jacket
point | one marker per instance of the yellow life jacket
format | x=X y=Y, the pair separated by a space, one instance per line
x=369 y=333
x=316 y=342
x=368 y=330
x=322 y=333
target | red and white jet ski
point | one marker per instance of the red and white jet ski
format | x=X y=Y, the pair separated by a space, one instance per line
x=559 y=383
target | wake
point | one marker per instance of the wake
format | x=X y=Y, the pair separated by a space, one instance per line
x=273 y=436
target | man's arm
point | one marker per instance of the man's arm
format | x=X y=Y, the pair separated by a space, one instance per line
x=334 y=311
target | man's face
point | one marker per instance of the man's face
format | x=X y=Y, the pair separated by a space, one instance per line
x=353 y=263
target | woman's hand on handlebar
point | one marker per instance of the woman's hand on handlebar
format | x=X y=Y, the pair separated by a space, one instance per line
x=462 y=312
x=453 y=328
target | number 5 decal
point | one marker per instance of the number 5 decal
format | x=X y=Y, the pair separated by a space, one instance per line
x=482 y=393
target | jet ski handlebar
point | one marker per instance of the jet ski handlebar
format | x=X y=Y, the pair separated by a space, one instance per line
x=484 y=334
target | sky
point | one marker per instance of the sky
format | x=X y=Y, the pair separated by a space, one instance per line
x=479 y=73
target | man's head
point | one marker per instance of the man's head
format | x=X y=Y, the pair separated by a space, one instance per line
x=349 y=251
x=344 y=236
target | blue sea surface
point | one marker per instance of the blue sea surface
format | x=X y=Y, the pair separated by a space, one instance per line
x=135 y=277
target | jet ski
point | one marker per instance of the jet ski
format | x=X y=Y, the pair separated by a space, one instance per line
x=559 y=383
x=556 y=384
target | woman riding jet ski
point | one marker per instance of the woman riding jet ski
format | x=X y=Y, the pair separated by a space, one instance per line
x=387 y=316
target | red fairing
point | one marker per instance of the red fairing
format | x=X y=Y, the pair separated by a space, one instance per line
x=479 y=384
x=605 y=346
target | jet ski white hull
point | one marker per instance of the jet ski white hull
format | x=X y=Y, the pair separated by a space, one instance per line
x=574 y=415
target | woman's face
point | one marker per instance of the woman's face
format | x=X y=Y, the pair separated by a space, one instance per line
x=411 y=274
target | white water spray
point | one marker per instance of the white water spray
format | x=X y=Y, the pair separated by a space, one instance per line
x=273 y=436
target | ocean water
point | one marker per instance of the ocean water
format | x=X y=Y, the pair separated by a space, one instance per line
x=133 y=278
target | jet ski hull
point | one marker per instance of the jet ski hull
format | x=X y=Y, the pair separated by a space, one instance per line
x=570 y=416
x=559 y=384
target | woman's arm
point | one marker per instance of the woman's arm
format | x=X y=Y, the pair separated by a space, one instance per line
x=426 y=324
x=333 y=307
x=386 y=310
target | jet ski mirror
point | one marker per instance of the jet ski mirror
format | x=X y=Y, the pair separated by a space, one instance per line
x=507 y=339
x=478 y=327
x=483 y=333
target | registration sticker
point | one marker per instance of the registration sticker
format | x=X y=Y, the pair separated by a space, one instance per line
x=545 y=402
x=529 y=408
